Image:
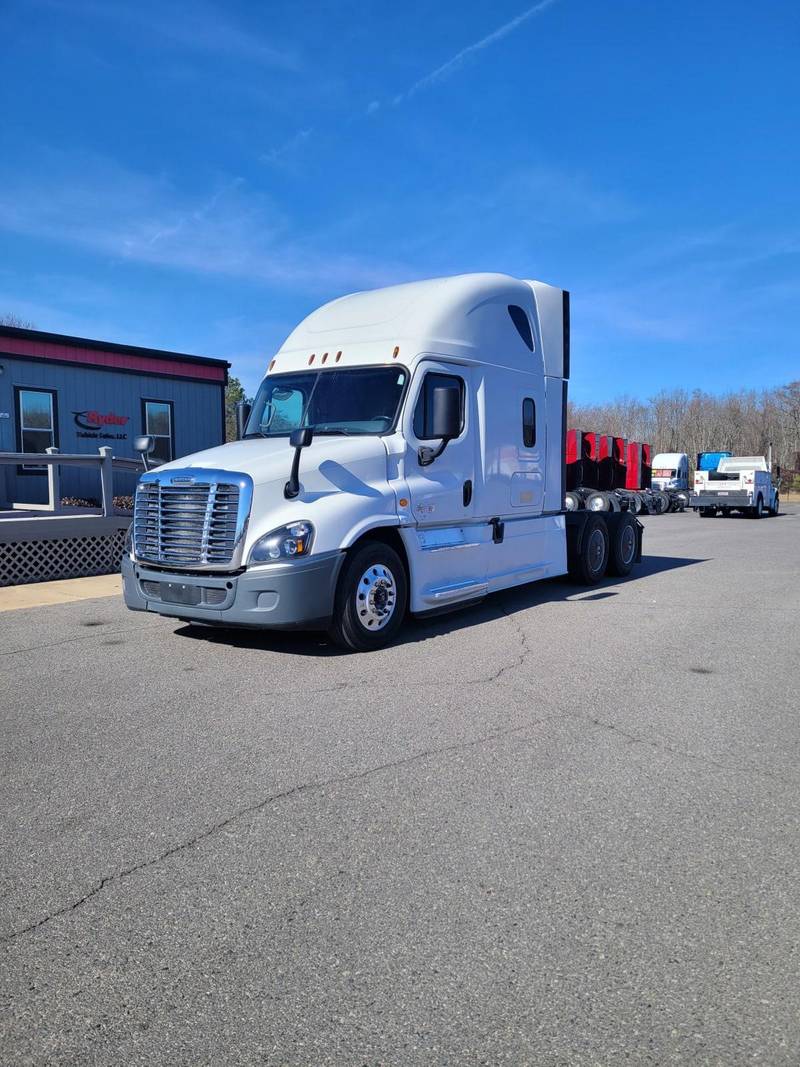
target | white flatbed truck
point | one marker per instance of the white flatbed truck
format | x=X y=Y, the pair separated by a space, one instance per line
x=739 y=483
x=404 y=453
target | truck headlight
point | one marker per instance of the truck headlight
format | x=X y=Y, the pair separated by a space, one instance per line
x=287 y=542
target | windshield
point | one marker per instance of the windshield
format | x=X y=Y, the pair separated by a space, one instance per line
x=360 y=400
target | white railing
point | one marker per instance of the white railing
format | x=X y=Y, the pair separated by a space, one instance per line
x=55 y=460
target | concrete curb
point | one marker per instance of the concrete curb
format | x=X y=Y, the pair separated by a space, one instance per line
x=43 y=594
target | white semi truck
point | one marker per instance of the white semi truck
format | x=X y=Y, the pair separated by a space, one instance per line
x=739 y=483
x=671 y=472
x=404 y=453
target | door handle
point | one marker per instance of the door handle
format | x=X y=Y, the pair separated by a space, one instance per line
x=467 y=495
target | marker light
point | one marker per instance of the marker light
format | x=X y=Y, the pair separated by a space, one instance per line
x=286 y=542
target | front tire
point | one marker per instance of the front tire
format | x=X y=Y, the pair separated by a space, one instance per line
x=371 y=599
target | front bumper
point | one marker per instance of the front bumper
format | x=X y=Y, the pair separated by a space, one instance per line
x=734 y=499
x=278 y=596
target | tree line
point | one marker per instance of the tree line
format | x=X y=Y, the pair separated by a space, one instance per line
x=676 y=420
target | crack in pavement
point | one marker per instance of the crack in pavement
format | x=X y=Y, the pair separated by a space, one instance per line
x=661 y=746
x=261 y=805
x=71 y=640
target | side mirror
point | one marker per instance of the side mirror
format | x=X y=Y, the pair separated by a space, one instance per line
x=243 y=409
x=145 y=446
x=445 y=421
x=298 y=439
x=301 y=438
x=446 y=414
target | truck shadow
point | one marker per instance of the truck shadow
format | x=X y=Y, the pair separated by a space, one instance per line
x=507 y=602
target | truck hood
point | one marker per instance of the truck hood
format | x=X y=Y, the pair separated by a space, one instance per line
x=270 y=459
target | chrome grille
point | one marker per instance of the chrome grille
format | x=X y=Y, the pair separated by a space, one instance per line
x=192 y=520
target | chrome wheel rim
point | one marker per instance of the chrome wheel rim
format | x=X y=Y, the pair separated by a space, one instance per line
x=376 y=597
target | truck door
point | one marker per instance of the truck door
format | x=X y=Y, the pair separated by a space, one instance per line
x=442 y=491
x=448 y=562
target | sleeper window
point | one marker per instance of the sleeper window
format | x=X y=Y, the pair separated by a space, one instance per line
x=528 y=422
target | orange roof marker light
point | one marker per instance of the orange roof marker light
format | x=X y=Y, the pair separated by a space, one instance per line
x=325 y=357
x=396 y=352
x=271 y=365
x=311 y=358
x=338 y=356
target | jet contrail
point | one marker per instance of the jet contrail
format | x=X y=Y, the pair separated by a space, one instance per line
x=446 y=69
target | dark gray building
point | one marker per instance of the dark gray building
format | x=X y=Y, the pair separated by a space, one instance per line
x=77 y=395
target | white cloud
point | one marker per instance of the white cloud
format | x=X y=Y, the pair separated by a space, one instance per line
x=198 y=26
x=282 y=151
x=231 y=231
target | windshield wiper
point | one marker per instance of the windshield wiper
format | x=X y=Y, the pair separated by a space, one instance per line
x=253 y=433
x=323 y=433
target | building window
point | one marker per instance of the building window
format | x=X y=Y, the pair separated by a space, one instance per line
x=157 y=421
x=423 y=412
x=528 y=422
x=36 y=423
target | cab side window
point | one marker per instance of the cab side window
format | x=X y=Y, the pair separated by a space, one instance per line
x=423 y=412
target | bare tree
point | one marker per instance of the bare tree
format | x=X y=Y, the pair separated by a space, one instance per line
x=744 y=423
x=10 y=319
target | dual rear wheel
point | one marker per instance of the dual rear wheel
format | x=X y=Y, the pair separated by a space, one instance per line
x=602 y=547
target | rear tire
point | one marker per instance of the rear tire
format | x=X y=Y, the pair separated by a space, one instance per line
x=707 y=513
x=622 y=553
x=774 y=511
x=758 y=511
x=371 y=599
x=588 y=563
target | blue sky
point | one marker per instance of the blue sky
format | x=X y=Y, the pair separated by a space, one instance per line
x=199 y=176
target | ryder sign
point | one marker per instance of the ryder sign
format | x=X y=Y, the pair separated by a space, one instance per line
x=106 y=426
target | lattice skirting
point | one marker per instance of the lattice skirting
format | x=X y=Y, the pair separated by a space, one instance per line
x=22 y=562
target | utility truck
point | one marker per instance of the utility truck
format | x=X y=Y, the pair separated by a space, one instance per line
x=404 y=453
x=737 y=483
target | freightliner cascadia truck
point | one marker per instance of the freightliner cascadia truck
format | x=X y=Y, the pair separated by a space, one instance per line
x=404 y=454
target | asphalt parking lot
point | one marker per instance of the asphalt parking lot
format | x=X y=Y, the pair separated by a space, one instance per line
x=559 y=828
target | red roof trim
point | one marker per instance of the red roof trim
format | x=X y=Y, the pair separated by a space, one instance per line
x=20 y=346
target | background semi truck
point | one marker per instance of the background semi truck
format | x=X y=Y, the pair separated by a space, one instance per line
x=404 y=453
